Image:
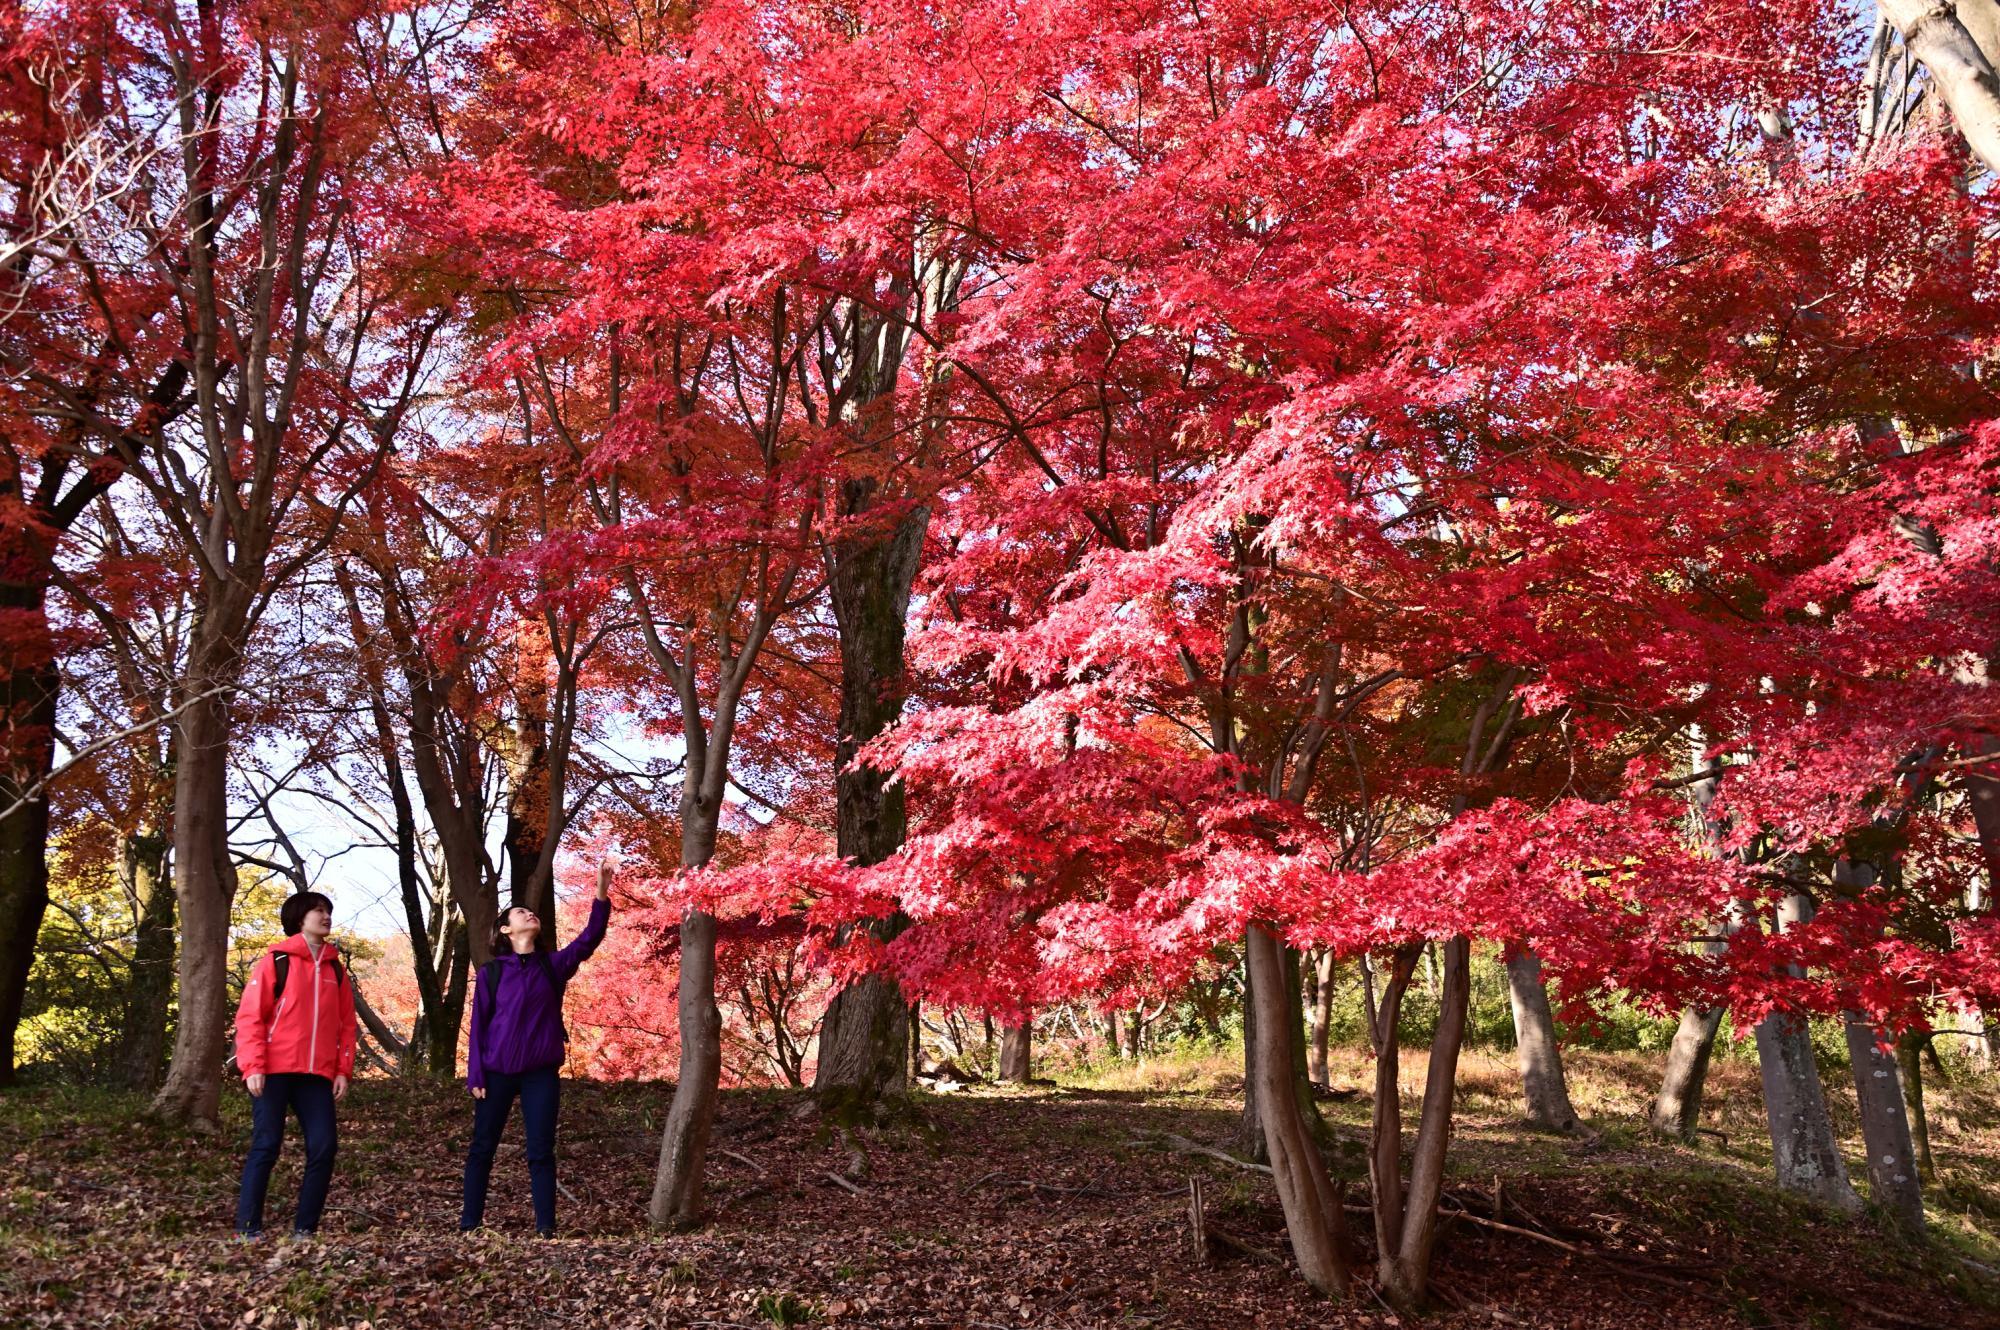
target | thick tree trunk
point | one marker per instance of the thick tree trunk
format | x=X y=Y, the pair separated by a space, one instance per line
x=866 y=1027
x=1804 y=1152
x=1803 y=1149
x=1677 y=1111
x=1015 y=1053
x=205 y=885
x=1544 y=1090
x=1893 y=1184
x=29 y=698
x=1250 y=1141
x=1314 y=1220
x=1959 y=69
x=1322 y=1017
x=142 y=1047
x=861 y=1045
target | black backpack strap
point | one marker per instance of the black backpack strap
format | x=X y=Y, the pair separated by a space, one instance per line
x=281 y=970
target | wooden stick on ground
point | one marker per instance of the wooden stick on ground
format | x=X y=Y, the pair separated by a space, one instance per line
x=1197 y=1220
x=1186 y=1146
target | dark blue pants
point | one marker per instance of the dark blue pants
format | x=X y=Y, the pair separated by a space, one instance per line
x=540 y=1092
x=311 y=1098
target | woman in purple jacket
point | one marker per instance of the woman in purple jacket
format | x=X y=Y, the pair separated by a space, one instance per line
x=516 y=1049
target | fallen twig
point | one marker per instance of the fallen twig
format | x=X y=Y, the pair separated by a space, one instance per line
x=836 y=1178
x=1186 y=1146
x=1460 y=1212
x=743 y=1159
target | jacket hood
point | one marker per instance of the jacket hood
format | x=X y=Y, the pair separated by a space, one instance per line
x=297 y=946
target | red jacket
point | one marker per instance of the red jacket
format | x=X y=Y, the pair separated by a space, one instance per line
x=312 y=1027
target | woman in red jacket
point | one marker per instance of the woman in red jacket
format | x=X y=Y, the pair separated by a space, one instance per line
x=295 y=1048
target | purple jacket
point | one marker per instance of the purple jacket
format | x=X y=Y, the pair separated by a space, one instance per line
x=517 y=1019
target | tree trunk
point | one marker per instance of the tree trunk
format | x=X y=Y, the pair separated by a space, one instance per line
x=863 y=1037
x=1406 y=1219
x=30 y=700
x=205 y=885
x=1250 y=1128
x=1960 y=71
x=142 y=1047
x=1909 y=1061
x=528 y=791
x=1893 y=1185
x=442 y=1032
x=1322 y=1018
x=1677 y=1111
x=677 y=1185
x=1544 y=1090
x=1015 y=1048
x=1314 y=1220
x=1803 y=1149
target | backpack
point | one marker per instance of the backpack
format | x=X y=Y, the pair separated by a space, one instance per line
x=281 y=969
x=489 y=977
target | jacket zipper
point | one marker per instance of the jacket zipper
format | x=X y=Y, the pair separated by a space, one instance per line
x=312 y=1052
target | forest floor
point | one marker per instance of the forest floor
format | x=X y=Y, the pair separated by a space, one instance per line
x=1039 y=1207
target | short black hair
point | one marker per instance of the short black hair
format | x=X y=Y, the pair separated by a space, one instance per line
x=292 y=914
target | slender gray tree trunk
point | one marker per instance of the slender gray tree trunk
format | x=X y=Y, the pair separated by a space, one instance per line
x=1909 y=1061
x=1677 y=1111
x=677 y=1184
x=1544 y=1090
x=1322 y=1017
x=1893 y=1183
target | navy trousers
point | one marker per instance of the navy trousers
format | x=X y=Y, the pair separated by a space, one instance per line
x=540 y=1093
x=311 y=1098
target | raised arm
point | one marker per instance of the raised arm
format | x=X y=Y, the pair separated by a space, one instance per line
x=578 y=951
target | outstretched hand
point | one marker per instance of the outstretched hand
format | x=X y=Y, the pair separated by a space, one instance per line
x=604 y=881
